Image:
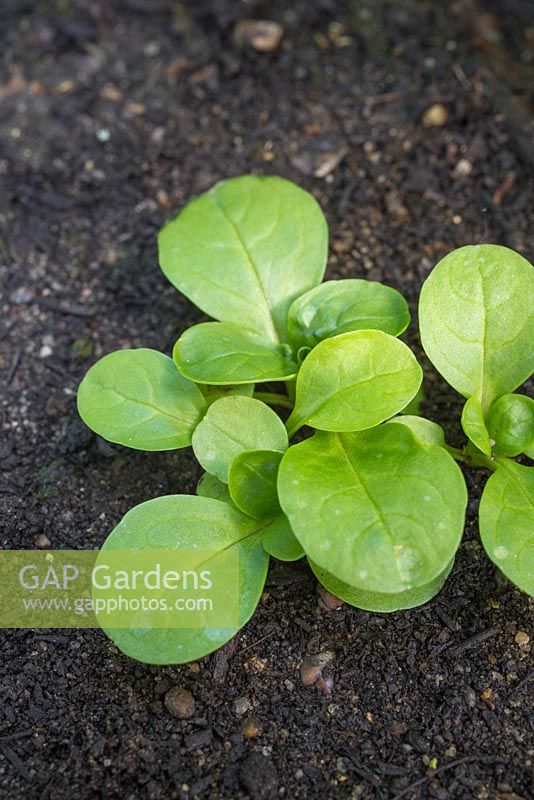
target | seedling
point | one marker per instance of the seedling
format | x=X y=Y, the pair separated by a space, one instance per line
x=373 y=498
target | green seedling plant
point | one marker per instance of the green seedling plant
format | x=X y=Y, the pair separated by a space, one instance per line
x=300 y=403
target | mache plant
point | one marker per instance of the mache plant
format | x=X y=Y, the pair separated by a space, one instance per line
x=370 y=492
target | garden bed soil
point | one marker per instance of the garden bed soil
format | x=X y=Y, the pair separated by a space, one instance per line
x=112 y=115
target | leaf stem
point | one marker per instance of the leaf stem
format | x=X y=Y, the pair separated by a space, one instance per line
x=291 y=388
x=474 y=457
x=455 y=452
x=292 y=427
x=274 y=399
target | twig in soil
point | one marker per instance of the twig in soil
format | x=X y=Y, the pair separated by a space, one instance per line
x=14 y=365
x=15 y=761
x=467 y=644
x=11 y=737
x=474 y=641
x=73 y=311
x=255 y=644
x=521 y=684
x=54 y=639
x=445 y=767
x=221 y=658
x=4 y=249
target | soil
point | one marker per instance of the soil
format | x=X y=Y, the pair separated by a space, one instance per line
x=112 y=115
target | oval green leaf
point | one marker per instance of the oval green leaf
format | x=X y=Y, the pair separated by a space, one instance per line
x=377 y=601
x=354 y=381
x=348 y=305
x=185 y=522
x=252 y=482
x=378 y=510
x=234 y=424
x=474 y=427
x=244 y=250
x=511 y=424
x=423 y=429
x=506 y=518
x=280 y=541
x=477 y=320
x=222 y=352
x=138 y=398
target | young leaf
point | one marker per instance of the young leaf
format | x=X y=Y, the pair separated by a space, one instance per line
x=378 y=509
x=475 y=325
x=185 y=522
x=381 y=602
x=423 y=429
x=234 y=424
x=212 y=393
x=280 y=541
x=210 y=486
x=243 y=251
x=511 y=424
x=354 y=381
x=506 y=518
x=252 y=482
x=223 y=352
x=338 y=307
x=474 y=426
x=138 y=398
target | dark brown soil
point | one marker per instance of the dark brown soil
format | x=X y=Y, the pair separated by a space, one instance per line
x=112 y=114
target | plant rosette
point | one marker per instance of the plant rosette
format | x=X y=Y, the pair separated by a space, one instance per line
x=371 y=495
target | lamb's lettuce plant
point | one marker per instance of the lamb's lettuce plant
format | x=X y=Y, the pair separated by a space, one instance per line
x=476 y=315
x=372 y=496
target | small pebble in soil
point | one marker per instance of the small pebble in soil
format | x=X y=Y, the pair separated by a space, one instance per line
x=312 y=667
x=327 y=601
x=470 y=697
x=436 y=116
x=259 y=777
x=179 y=702
x=241 y=706
x=43 y=542
x=261 y=34
x=250 y=727
x=522 y=637
x=463 y=168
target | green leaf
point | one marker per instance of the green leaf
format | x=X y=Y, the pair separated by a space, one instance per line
x=511 y=424
x=210 y=486
x=381 y=602
x=222 y=352
x=189 y=523
x=348 y=305
x=212 y=392
x=477 y=325
x=280 y=541
x=234 y=424
x=378 y=510
x=354 y=381
x=252 y=482
x=243 y=251
x=423 y=429
x=506 y=517
x=138 y=398
x=474 y=426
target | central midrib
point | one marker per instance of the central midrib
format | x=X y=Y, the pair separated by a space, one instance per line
x=273 y=333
